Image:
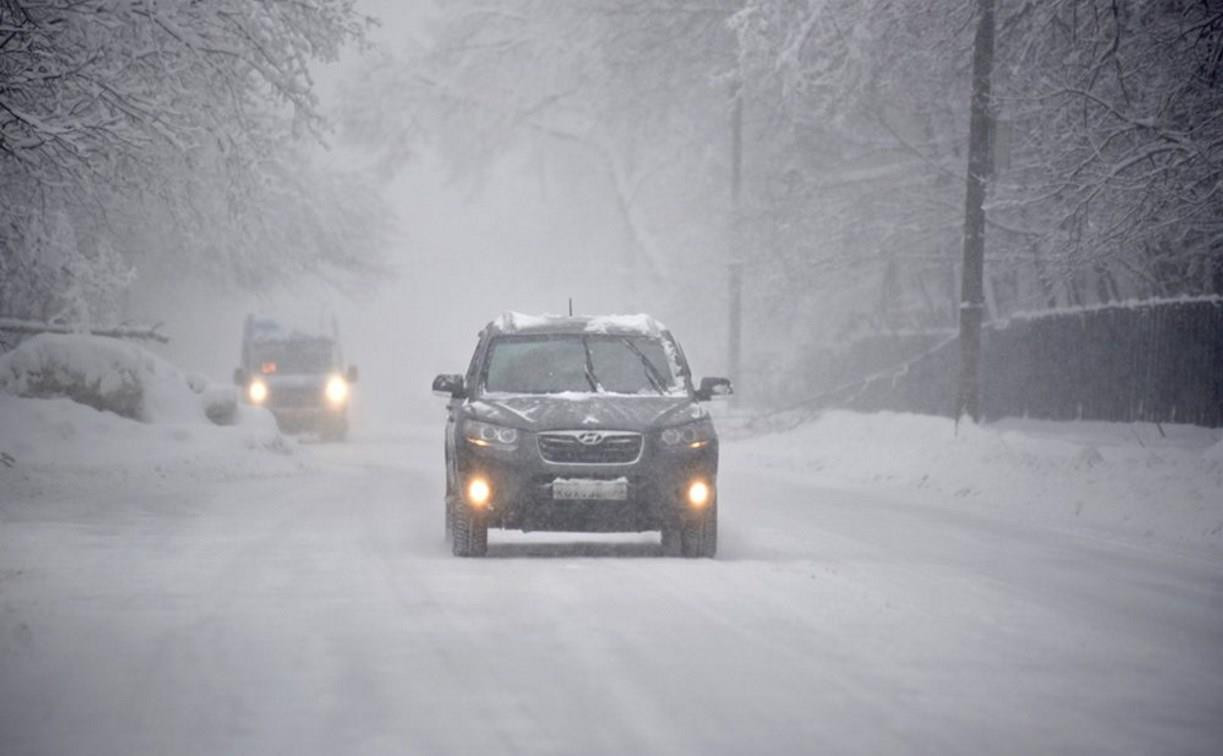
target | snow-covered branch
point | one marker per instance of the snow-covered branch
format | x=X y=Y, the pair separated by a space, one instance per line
x=149 y=333
x=142 y=134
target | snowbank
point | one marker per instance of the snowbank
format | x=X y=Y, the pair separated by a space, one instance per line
x=106 y=374
x=1125 y=479
x=78 y=413
x=62 y=451
x=51 y=433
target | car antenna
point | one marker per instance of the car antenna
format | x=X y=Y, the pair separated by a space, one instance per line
x=571 y=307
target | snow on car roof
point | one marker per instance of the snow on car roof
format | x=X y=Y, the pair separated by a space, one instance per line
x=517 y=322
x=264 y=329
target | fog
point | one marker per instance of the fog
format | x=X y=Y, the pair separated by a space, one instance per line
x=427 y=166
x=462 y=250
x=947 y=278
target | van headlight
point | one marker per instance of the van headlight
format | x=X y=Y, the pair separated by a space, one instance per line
x=336 y=390
x=487 y=434
x=257 y=391
x=695 y=435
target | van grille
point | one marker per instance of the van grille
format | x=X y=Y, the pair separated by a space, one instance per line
x=294 y=396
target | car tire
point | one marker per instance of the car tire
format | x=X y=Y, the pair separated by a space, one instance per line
x=699 y=536
x=449 y=517
x=469 y=536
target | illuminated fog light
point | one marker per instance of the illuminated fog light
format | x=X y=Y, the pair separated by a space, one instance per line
x=257 y=391
x=337 y=389
x=699 y=494
x=479 y=492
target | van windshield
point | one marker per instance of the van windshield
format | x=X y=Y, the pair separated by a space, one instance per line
x=583 y=363
x=293 y=357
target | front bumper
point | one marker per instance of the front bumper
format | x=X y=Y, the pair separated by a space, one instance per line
x=297 y=419
x=522 y=498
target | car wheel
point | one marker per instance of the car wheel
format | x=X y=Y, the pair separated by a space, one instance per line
x=700 y=536
x=449 y=517
x=469 y=532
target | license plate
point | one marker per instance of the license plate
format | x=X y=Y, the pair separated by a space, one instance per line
x=579 y=489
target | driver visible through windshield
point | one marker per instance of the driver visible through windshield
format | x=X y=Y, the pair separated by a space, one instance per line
x=582 y=363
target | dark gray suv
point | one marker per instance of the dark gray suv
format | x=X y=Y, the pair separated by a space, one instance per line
x=587 y=424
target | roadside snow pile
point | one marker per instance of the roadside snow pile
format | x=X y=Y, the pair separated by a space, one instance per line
x=93 y=408
x=60 y=433
x=1129 y=479
x=105 y=374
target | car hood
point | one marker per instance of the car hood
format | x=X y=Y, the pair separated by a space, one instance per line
x=581 y=411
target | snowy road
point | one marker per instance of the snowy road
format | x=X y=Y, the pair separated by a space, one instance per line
x=321 y=613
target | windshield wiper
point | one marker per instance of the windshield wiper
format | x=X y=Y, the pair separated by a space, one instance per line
x=590 y=369
x=651 y=372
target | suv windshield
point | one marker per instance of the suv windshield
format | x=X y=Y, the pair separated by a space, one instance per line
x=293 y=356
x=585 y=363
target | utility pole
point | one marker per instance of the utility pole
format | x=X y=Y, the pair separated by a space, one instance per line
x=980 y=166
x=734 y=267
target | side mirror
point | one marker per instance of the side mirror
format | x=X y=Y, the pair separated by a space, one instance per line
x=239 y=377
x=352 y=374
x=449 y=384
x=714 y=388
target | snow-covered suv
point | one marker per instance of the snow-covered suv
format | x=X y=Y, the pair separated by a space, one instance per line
x=588 y=424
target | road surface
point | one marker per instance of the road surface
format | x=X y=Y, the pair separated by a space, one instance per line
x=320 y=612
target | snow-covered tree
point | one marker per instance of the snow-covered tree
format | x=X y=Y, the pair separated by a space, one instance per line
x=1108 y=143
x=623 y=94
x=1116 y=117
x=860 y=195
x=855 y=142
x=163 y=134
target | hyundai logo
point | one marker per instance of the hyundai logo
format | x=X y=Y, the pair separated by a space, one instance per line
x=590 y=438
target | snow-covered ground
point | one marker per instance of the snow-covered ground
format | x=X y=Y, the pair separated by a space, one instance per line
x=1131 y=481
x=883 y=585
x=57 y=447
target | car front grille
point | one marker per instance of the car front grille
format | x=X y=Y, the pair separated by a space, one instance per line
x=590 y=447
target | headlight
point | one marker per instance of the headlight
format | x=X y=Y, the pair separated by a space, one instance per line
x=337 y=390
x=691 y=436
x=487 y=434
x=257 y=391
